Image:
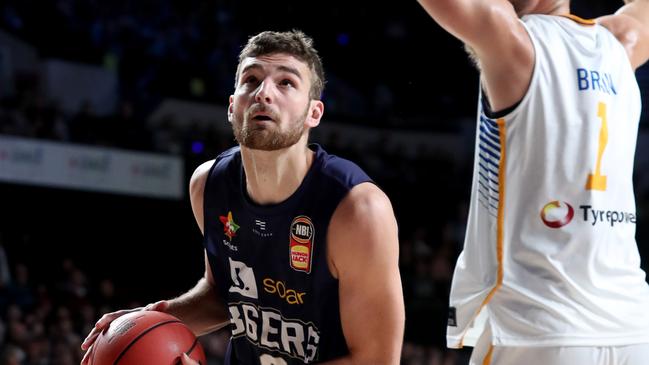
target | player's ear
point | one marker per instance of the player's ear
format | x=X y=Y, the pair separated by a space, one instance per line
x=231 y=108
x=316 y=110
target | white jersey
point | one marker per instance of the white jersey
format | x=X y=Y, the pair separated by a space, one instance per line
x=550 y=255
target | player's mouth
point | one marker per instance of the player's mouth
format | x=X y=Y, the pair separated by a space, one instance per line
x=262 y=117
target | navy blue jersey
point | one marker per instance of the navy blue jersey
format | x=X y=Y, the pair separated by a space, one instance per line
x=270 y=262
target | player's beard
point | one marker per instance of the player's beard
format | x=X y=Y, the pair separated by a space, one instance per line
x=248 y=134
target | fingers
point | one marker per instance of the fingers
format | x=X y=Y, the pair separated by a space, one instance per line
x=186 y=360
x=160 y=306
x=92 y=336
x=107 y=318
x=86 y=356
x=102 y=323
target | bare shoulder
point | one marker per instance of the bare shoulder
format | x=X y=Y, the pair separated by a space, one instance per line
x=630 y=25
x=363 y=229
x=197 y=181
x=196 y=190
x=364 y=204
x=363 y=250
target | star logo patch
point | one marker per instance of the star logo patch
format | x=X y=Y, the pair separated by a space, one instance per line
x=229 y=227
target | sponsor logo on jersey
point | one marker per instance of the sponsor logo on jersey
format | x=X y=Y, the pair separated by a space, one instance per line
x=301 y=244
x=260 y=229
x=229 y=227
x=243 y=279
x=557 y=214
x=291 y=296
x=609 y=217
x=267 y=328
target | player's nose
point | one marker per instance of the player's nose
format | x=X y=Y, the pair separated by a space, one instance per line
x=264 y=92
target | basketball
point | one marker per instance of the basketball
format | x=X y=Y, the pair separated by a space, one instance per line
x=146 y=337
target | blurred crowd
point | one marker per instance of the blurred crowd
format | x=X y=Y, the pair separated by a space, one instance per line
x=46 y=314
x=187 y=49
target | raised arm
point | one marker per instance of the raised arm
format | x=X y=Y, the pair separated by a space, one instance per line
x=499 y=41
x=630 y=25
x=363 y=251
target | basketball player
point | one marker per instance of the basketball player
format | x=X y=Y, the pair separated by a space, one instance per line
x=550 y=263
x=301 y=248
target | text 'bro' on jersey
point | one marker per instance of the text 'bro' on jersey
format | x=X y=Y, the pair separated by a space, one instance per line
x=270 y=262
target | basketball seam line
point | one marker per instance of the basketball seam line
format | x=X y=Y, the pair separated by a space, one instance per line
x=140 y=335
x=192 y=349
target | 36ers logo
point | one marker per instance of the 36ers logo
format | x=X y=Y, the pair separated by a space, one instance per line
x=301 y=246
x=557 y=214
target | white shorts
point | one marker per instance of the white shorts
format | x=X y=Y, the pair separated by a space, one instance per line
x=485 y=353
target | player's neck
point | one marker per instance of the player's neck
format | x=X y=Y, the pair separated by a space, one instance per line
x=273 y=176
x=555 y=8
x=547 y=7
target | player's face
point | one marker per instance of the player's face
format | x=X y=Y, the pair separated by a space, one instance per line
x=271 y=108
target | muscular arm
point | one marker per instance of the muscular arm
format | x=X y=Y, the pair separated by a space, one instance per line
x=200 y=307
x=630 y=25
x=363 y=252
x=501 y=44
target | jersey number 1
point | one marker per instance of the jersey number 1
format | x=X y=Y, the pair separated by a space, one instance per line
x=597 y=181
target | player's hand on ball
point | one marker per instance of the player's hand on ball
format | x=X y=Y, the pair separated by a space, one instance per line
x=186 y=360
x=107 y=318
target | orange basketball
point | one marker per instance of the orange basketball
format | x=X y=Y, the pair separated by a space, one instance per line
x=143 y=338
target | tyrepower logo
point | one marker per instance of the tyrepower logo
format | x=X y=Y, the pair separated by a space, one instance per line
x=557 y=214
x=608 y=217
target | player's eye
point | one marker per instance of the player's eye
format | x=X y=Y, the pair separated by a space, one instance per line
x=287 y=82
x=250 y=80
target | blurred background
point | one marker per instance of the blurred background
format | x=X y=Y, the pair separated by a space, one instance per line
x=106 y=108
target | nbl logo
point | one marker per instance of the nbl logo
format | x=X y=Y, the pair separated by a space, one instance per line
x=557 y=214
x=301 y=243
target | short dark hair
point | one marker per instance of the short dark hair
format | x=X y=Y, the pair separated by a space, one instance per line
x=294 y=43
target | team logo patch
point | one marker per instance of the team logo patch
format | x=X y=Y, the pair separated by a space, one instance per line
x=301 y=245
x=243 y=279
x=557 y=214
x=229 y=227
